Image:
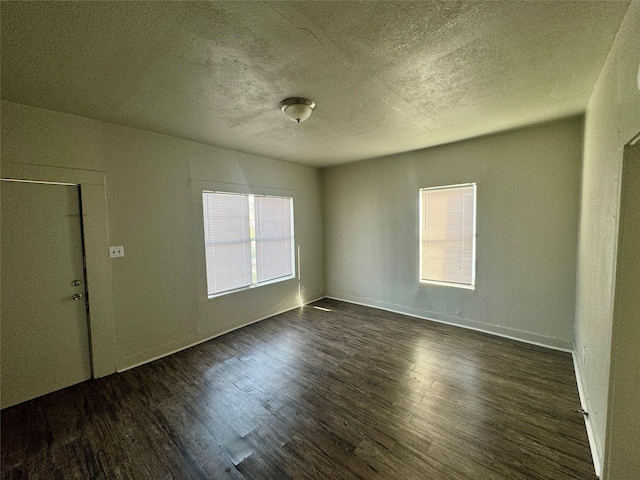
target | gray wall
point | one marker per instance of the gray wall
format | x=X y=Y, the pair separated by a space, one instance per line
x=612 y=119
x=527 y=223
x=153 y=184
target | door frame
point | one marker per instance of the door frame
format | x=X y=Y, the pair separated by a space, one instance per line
x=620 y=386
x=97 y=267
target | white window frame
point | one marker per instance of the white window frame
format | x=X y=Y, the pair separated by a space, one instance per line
x=254 y=283
x=466 y=286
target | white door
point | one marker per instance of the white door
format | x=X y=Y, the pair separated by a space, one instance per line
x=45 y=337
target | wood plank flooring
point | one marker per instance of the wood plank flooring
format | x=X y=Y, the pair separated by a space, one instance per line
x=354 y=393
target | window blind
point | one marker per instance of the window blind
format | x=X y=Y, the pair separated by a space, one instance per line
x=227 y=241
x=448 y=234
x=248 y=240
x=274 y=238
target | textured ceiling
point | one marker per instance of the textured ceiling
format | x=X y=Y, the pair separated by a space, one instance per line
x=386 y=76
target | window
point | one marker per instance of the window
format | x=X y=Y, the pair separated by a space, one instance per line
x=448 y=235
x=248 y=240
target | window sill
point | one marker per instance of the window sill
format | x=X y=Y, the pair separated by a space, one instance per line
x=449 y=284
x=251 y=287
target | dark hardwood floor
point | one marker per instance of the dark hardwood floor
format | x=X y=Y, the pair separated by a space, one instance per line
x=310 y=394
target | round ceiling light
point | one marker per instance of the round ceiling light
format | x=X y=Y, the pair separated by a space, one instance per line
x=297 y=109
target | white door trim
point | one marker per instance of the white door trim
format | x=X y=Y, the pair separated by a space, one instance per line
x=98 y=268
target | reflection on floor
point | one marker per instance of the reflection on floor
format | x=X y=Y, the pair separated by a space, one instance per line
x=339 y=392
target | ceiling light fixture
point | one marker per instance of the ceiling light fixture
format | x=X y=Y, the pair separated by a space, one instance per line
x=297 y=109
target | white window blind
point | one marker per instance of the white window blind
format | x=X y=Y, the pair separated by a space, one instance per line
x=248 y=240
x=274 y=238
x=227 y=241
x=447 y=235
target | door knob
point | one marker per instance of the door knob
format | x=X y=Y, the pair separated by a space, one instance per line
x=77 y=296
x=75 y=283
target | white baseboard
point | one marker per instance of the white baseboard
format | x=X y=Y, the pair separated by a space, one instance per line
x=593 y=444
x=202 y=340
x=597 y=461
x=534 y=339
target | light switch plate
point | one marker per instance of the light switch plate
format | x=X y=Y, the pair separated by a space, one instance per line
x=115 y=252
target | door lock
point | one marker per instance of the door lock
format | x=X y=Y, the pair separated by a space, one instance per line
x=75 y=283
x=77 y=296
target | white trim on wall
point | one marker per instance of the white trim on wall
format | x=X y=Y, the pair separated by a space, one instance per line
x=498 y=331
x=584 y=403
x=211 y=337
